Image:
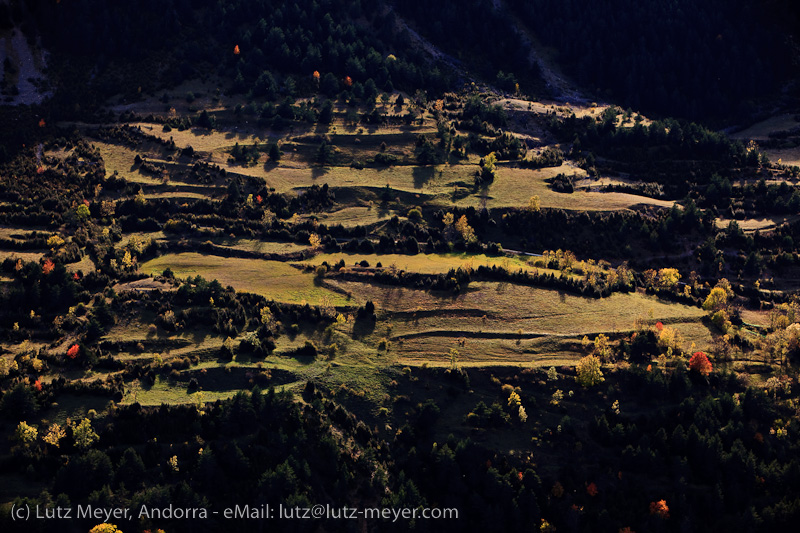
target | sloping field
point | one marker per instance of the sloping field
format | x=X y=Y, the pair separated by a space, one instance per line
x=263 y=247
x=753 y=224
x=760 y=131
x=513 y=187
x=502 y=322
x=15 y=234
x=430 y=263
x=551 y=311
x=202 y=139
x=25 y=256
x=271 y=279
x=121 y=159
x=786 y=156
x=355 y=216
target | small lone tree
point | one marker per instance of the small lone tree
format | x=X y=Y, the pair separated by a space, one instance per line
x=206 y=121
x=82 y=212
x=26 y=435
x=716 y=300
x=54 y=435
x=274 y=153
x=589 y=372
x=84 y=434
x=324 y=153
x=489 y=167
x=466 y=231
x=699 y=363
x=454 y=359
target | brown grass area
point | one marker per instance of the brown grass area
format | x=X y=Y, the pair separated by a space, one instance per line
x=758 y=318
x=505 y=323
x=785 y=156
x=355 y=216
x=264 y=247
x=513 y=187
x=430 y=263
x=85 y=265
x=272 y=279
x=25 y=256
x=761 y=130
x=753 y=224
x=121 y=159
x=17 y=234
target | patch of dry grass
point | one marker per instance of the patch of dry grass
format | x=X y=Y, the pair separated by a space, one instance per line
x=272 y=279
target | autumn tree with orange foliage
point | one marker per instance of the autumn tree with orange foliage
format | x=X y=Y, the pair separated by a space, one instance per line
x=660 y=509
x=700 y=363
x=236 y=50
x=72 y=353
x=48 y=267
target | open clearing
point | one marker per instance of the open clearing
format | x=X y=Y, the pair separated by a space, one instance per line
x=163 y=392
x=25 y=256
x=753 y=224
x=15 y=234
x=547 y=310
x=355 y=216
x=261 y=247
x=121 y=159
x=505 y=323
x=429 y=263
x=271 y=279
x=786 y=156
x=85 y=265
x=761 y=130
x=513 y=187
x=434 y=183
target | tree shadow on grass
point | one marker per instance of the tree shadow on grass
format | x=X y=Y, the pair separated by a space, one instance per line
x=318 y=172
x=422 y=175
x=363 y=327
x=201 y=132
x=383 y=210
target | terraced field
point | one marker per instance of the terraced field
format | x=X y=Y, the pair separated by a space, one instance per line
x=432 y=263
x=273 y=279
x=504 y=323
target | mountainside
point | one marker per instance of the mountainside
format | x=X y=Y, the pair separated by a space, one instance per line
x=326 y=265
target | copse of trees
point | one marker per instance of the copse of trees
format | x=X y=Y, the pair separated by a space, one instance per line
x=665 y=152
x=612 y=234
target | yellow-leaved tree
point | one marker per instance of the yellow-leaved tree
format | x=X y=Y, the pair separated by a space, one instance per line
x=466 y=231
x=588 y=371
x=105 y=528
x=84 y=434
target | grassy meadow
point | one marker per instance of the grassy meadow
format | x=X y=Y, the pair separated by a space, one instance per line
x=273 y=279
